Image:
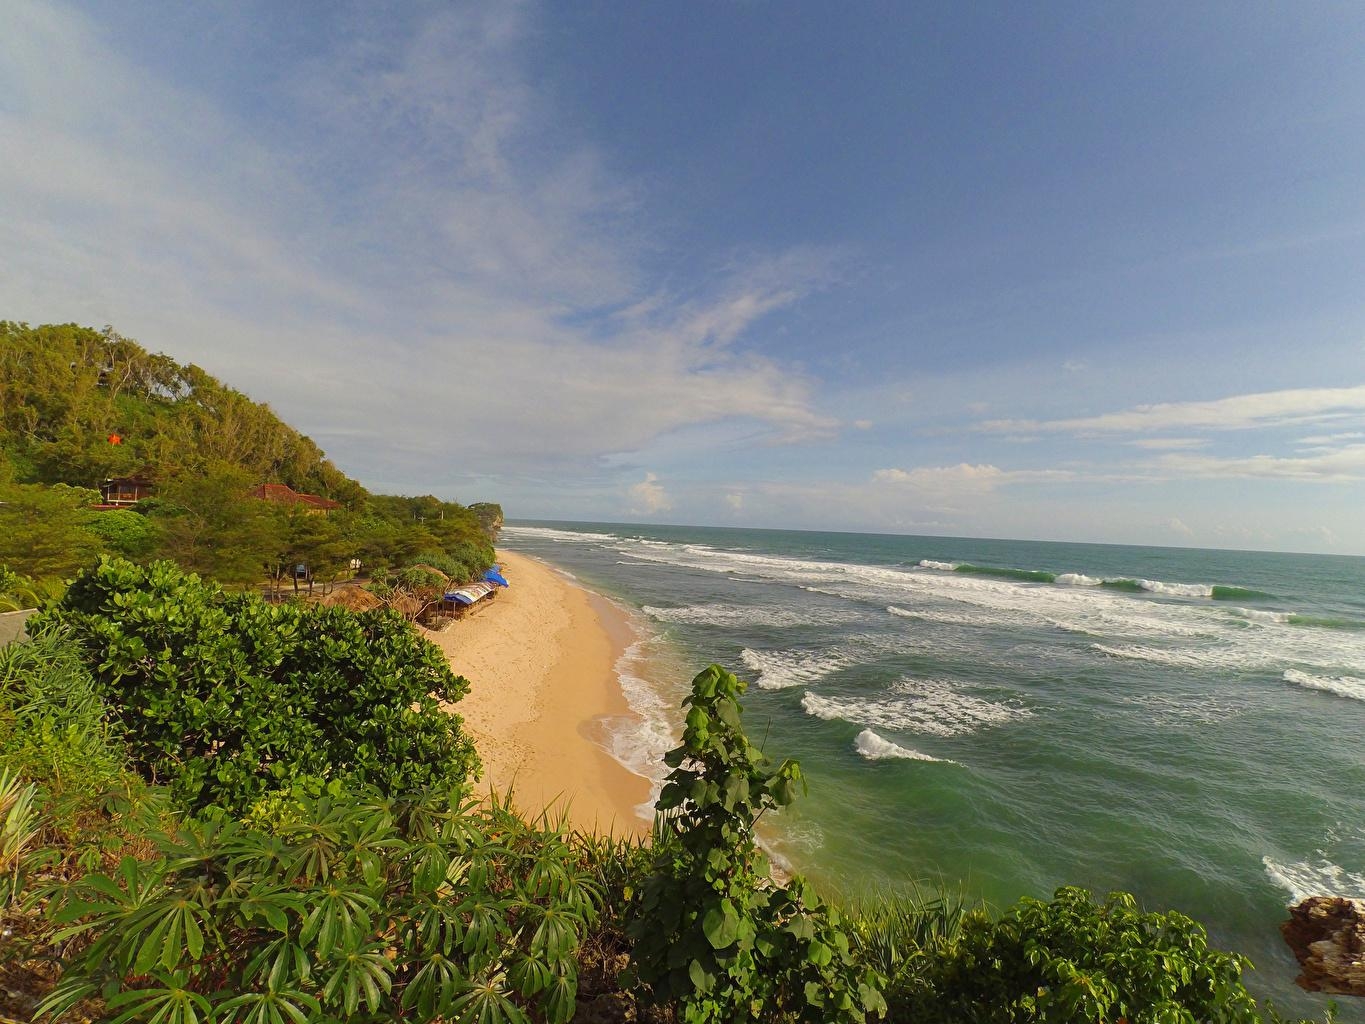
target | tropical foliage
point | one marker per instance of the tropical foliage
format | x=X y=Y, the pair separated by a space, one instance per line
x=1064 y=960
x=714 y=932
x=323 y=859
x=227 y=699
x=362 y=908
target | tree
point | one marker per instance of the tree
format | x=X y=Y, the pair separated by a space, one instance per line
x=211 y=526
x=44 y=530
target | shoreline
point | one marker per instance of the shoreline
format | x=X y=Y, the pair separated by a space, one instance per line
x=542 y=664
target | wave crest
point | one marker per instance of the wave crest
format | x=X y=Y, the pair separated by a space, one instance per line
x=1342 y=686
x=875 y=748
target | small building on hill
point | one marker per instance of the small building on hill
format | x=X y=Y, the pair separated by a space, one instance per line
x=123 y=491
x=282 y=494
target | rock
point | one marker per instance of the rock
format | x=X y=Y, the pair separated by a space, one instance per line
x=615 y=1008
x=1327 y=935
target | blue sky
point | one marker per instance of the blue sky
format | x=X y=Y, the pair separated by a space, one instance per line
x=1073 y=272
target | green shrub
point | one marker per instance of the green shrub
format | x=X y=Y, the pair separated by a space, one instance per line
x=227 y=698
x=898 y=932
x=53 y=728
x=365 y=909
x=1071 y=960
x=714 y=933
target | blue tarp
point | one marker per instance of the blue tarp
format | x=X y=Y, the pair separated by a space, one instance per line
x=494 y=576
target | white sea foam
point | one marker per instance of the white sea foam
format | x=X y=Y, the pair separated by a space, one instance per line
x=929 y=563
x=875 y=748
x=734 y=615
x=778 y=670
x=1168 y=710
x=1259 y=650
x=1315 y=878
x=934 y=615
x=1342 y=686
x=548 y=533
x=1221 y=658
x=640 y=741
x=922 y=705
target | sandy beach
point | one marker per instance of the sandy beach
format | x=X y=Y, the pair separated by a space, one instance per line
x=541 y=661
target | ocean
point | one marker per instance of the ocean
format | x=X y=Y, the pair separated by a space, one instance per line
x=1005 y=717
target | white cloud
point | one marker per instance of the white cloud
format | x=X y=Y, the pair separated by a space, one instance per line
x=1238 y=412
x=735 y=500
x=649 y=496
x=863 y=424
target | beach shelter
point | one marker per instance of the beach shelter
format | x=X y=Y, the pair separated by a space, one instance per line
x=468 y=595
x=494 y=576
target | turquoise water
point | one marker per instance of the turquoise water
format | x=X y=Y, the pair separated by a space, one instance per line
x=1010 y=716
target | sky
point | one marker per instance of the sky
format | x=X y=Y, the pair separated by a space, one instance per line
x=1063 y=272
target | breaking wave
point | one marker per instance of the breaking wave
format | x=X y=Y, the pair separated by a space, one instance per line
x=1076 y=579
x=1323 y=878
x=875 y=748
x=1324 y=623
x=1342 y=686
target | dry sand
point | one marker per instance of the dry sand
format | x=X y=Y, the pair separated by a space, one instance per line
x=541 y=661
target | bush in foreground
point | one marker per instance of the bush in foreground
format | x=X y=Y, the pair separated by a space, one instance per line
x=362 y=909
x=1071 y=959
x=715 y=934
x=228 y=699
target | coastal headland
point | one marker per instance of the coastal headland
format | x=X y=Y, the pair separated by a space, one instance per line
x=541 y=661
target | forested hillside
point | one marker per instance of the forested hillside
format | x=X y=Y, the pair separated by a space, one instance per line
x=80 y=406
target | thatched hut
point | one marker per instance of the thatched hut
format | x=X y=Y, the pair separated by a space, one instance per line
x=356 y=599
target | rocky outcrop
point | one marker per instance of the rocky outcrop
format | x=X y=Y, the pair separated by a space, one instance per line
x=1327 y=934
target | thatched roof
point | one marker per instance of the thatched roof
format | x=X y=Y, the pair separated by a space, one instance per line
x=356 y=599
x=409 y=607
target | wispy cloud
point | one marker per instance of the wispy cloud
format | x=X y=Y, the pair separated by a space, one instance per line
x=965 y=478
x=1237 y=412
x=1168 y=443
x=1341 y=465
x=432 y=273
